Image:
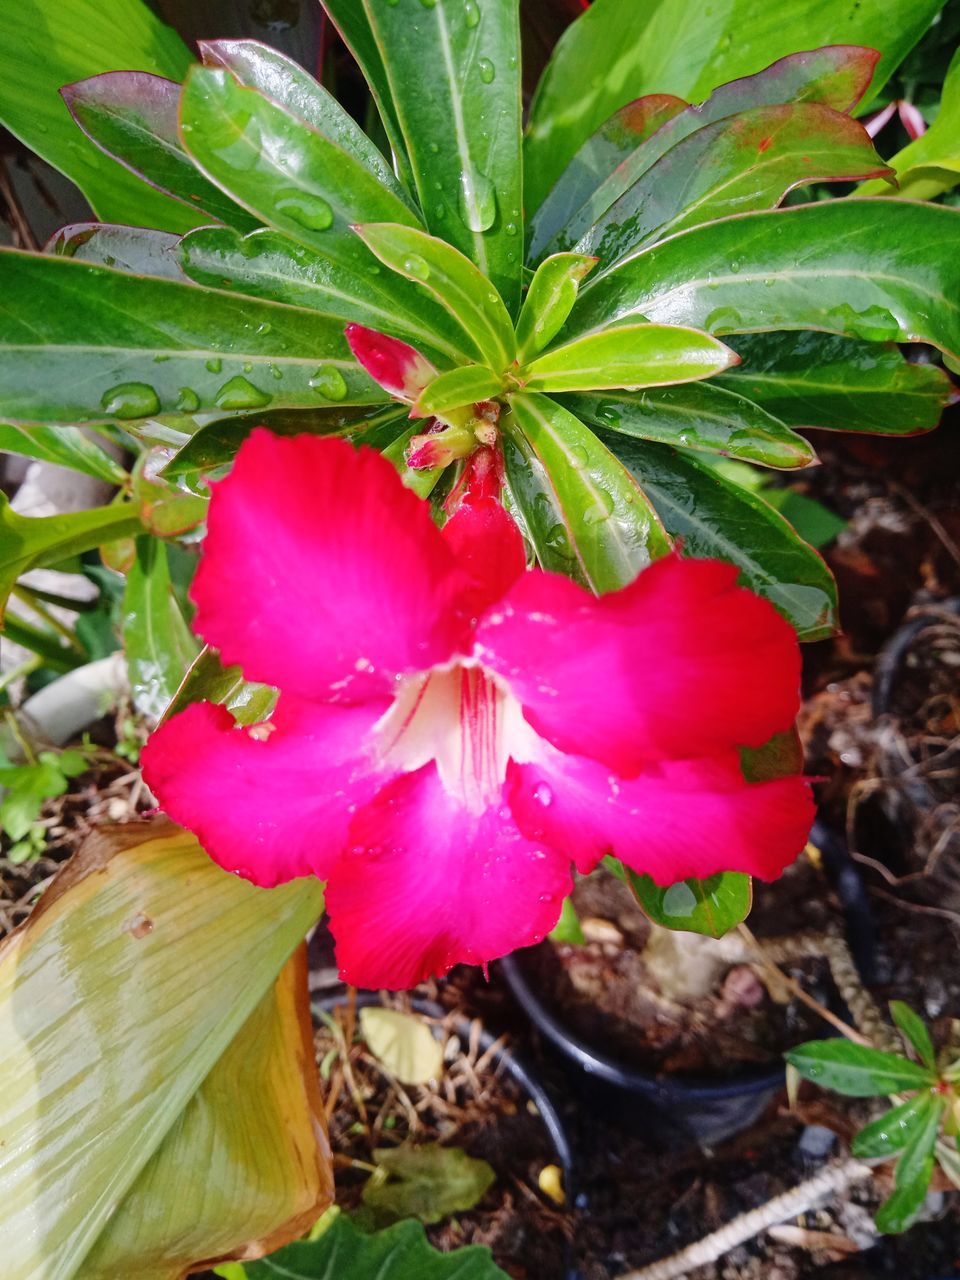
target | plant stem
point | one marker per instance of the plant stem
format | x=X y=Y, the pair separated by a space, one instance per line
x=800 y=1199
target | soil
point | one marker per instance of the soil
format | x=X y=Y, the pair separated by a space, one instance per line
x=476 y=1107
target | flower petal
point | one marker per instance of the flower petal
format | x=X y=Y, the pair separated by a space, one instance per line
x=680 y=663
x=269 y=802
x=427 y=885
x=681 y=818
x=321 y=573
x=399 y=368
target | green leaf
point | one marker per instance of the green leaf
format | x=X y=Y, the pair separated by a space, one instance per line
x=584 y=512
x=711 y=906
x=748 y=161
x=353 y=24
x=32 y=542
x=873 y=269
x=814 y=522
x=208 y=680
x=63 y=446
x=888 y=1134
x=80 y=343
x=600 y=157
x=929 y=165
x=215 y=445
x=646 y=355
x=464 y=386
x=132 y=116
x=135 y=249
x=43 y=49
x=279 y=78
x=190 y=1095
x=618 y=50
x=428 y=1182
x=857 y=1070
x=28 y=787
x=157 y=641
x=567 y=929
x=288 y=174
x=914 y=1169
x=452 y=280
x=463 y=137
x=267 y=264
x=715 y=517
x=914 y=1030
x=404 y=1043
x=401 y=1252
x=834 y=77
x=549 y=301
x=810 y=379
x=698 y=416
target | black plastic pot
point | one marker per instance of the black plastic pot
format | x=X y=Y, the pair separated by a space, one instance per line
x=892 y=655
x=697 y=1109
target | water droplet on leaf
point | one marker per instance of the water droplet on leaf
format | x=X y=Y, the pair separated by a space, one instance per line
x=238 y=393
x=188 y=400
x=488 y=72
x=478 y=201
x=472 y=13
x=329 y=382
x=309 y=211
x=214 y=364
x=416 y=266
x=601 y=510
x=130 y=400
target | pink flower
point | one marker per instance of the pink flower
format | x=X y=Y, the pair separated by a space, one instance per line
x=452 y=729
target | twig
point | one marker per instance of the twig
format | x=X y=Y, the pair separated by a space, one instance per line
x=800 y=1199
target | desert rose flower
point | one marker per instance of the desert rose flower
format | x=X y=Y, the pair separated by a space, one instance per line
x=453 y=729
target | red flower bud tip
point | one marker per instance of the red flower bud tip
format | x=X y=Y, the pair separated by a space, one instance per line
x=439 y=446
x=398 y=367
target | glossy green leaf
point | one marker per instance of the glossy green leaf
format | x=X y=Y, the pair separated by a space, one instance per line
x=215 y=445
x=913 y=1028
x=618 y=50
x=699 y=416
x=568 y=928
x=810 y=379
x=401 y=1252
x=834 y=77
x=159 y=645
x=463 y=136
x=887 y=1135
x=929 y=165
x=646 y=355
x=132 y=116
x=137 y=250
x=346 y=284
x=208 y=680
x=63 y=446
x=464 y=386
x=914 y=1168
x=427 y=1182
x=857 y=1070
x=33 y=542
x=421 y=480
x=44 y=48
x=549 y=301
x=874 y=269
x=273 y=163
x=127 y=1088
x=600 y=156
x=451 y=279
x=353 y=23
x=715 y=517
x=712 y=906
x=748 y=161
x=80 y=342
x=284 y=81
x=585 y=514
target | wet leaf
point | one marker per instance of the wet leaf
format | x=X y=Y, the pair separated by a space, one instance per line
x=429 y=1183
x=914 y=1030
x=457 y=388
x=208 y=680
x=159 y=645
x=914 y=1169
x=857 y=1070
x=63 y=446
x=549 y=301
x=712 y=906
x=404 y=1043
x=873 y=269
x=699 y=416
x=888 y=1134
x=138 y=250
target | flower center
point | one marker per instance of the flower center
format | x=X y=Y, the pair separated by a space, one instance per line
x=465 y=719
